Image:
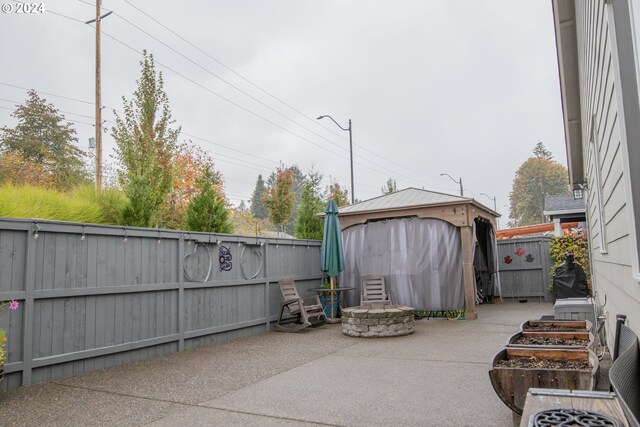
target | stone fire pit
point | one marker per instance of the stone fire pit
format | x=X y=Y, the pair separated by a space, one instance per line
x=377 y=320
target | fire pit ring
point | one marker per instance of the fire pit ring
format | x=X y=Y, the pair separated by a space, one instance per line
x=377 y=320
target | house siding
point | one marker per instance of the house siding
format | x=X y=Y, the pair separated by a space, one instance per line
x=612 y=271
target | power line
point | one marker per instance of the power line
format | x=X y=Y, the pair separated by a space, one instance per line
x=242 y=107
x=245 y=153
x=246 y=109
x=225 y=98
x=255 y=85
x=227 y=82
x=233 y=71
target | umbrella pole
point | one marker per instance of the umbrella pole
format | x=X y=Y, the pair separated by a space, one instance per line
x=332 y=281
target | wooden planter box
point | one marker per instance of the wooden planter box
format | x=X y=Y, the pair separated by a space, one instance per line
x=512 y=383
x=557 y=325
x=587 y=336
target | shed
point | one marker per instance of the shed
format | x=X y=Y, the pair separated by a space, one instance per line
x=436 y=251
x=562 y=209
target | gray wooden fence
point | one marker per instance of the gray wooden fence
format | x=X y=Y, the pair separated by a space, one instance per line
x=524 y=265
x=93 y=296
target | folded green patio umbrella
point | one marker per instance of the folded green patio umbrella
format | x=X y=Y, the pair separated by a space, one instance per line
x=332 y=261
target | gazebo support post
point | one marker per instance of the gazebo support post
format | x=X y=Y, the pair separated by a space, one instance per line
x=467 y=274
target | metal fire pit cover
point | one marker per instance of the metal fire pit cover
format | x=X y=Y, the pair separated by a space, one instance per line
x=573 y=417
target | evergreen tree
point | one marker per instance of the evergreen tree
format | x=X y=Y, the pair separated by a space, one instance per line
x=537 y=177
x=41 y=137
x=242 y=206
x=308 y=224
x=257 y=208
x=145 y=146
x=541 y=152
x=207 y=210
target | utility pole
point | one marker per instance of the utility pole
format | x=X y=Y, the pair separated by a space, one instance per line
x=98 y=124
x=98 y=103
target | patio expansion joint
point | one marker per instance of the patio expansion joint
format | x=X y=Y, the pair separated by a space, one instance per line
x=191 y=405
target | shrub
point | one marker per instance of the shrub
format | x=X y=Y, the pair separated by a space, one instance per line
x=576 y=243
x=111 y=201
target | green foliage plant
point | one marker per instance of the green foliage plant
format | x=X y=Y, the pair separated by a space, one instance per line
x=308 y=224
x=145 y=147
x=576 y=243
x=111 y=201
x=537 y=177
x=340 y=195
x=36 y=202
x=42 y=137
x=207 y=210
x=258 y=210
x=279 y=198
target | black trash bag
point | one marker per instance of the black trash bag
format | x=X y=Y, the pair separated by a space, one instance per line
x=569 y=280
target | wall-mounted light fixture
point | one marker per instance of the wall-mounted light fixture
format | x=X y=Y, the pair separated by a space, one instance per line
x=578 y=190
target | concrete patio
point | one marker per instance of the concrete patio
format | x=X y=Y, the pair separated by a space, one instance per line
x=435 y=377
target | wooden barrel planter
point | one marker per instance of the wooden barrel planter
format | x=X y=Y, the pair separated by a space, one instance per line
x=556 y=325
x=515 y=370
x=551 y=339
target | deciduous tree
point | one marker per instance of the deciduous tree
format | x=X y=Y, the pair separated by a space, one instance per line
x=391 y=186
x=536 y=177
x=340 y=196
x=279 y=198
x=190 y=164
x=145 y=147
x=16 y=170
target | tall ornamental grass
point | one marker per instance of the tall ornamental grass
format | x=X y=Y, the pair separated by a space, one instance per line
x=82 y=204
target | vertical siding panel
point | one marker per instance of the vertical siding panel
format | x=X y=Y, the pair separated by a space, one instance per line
x=127 y=326
x=68 y=333
x=6 y=260
x=90 y=330
x=57 y=333
x=60 y=261
x=80 y=327
x=18 y=257
x=71 y=261
x=48 y=273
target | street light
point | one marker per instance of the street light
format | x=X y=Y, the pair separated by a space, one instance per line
x=495 y=206
x=350 y=151
x=457 y=182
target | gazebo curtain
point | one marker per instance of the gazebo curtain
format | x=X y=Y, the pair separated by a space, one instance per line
x=421 y=260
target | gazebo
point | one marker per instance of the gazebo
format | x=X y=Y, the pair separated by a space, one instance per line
x=435 y=250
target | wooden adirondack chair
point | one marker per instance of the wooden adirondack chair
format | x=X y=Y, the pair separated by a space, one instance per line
x=305 y=315
x=374 y=291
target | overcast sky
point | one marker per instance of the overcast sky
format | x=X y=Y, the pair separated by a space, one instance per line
x=459 y=87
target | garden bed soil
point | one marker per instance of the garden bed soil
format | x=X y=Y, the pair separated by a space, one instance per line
x=537 y=363
x=550 y=341
x=556 y=325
